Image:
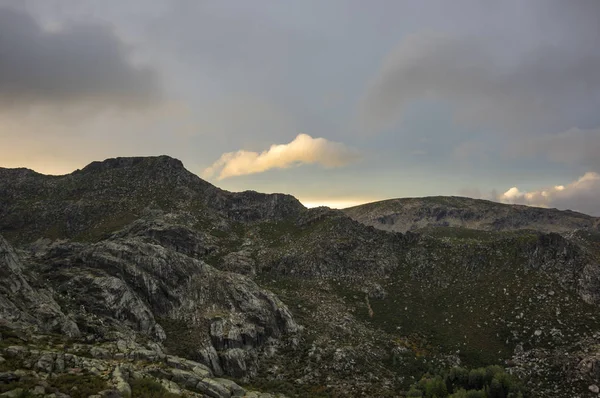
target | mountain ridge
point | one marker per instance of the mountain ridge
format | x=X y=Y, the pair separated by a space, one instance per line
x=412 y=214
x=388 y=214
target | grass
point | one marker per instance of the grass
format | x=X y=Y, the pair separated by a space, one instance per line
x=465 y=234
x=106 y=227
x=78 y=386
x=10 y=337
x=25 y=387
x=148 y=388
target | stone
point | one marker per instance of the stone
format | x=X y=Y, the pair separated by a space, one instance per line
x=120 y=383
x=594 y=388
x=170 y=386
x=17 y=392
x=122 y=346
x=7 y=377
x=234 y=388
x=184 y=378
x=15 y=351
x=213 y=388
x=235 y=362
x=99 y=352
x=147 y=355
x=45 y=363
x=211 y=358
x=59 y=363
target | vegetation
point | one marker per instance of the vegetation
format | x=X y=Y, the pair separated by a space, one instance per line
x=78 y=386
x=489 y=382
x=9 y=337
x=25 y=385
x=183 y=339
x=148 y=388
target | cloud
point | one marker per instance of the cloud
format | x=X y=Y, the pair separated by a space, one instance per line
x=546 y=86
x=302 y=150
x=574 y=146
x=580 y=195
x=71 y=65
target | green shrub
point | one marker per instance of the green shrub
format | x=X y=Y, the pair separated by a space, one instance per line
x=490 y=382
x=477 y=379
x=457 y=378
x=436 y=388
x=475 y=394
x=461 y=393
x=414 y=393
x=492 y=371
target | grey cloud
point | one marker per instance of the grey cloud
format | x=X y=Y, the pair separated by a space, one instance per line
x=545 y=87
x=78 y=63
x=574 y=146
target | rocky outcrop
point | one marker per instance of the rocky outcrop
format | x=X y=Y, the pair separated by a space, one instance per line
x=20 y=303
x=112 y=376
x=127 y=284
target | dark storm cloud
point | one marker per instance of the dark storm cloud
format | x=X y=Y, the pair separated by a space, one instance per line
x=75 y=64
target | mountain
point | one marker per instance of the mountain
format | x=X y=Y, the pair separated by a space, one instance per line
x=413 y=214
x=135 y=277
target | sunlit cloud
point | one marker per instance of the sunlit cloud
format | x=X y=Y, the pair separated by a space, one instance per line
x=302 y=150
x=581 y=195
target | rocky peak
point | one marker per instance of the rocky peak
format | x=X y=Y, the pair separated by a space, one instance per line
x=162 y=162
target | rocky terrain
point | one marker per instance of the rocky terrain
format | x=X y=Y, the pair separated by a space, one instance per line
x=134 y=277
x=413 y=214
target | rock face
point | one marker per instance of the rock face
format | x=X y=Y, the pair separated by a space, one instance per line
x=412 y=214
x=20 y=303
x=129 y=284
x=136 y=269
x=97 y=367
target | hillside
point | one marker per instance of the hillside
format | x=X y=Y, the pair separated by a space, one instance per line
x=413 y=214
x=134 y=274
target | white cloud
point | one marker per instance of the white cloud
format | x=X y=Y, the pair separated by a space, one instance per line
x=580 y=195
x=302 y=150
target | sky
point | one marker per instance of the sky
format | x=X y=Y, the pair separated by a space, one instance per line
x=336 y=102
